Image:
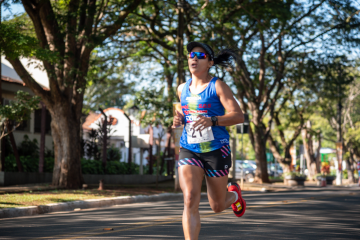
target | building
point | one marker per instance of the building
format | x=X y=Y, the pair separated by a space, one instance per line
x=10 y=84
x=120 y=136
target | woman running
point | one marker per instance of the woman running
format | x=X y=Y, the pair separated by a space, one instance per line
x=204 y=142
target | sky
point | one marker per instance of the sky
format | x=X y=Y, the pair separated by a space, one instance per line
x=17 y=9
x=14 y=9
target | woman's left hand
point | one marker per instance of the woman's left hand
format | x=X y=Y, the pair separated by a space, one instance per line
x=202 y=123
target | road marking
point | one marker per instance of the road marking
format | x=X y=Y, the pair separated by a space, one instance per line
x=133 y=226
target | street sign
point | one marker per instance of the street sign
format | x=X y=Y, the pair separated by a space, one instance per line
x=269 y=157
x=243 y=127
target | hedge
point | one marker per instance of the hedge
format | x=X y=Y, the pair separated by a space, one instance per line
x=31 y=164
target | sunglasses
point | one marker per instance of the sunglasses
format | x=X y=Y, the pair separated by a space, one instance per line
x=199 y=55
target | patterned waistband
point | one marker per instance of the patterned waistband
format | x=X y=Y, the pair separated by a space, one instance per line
x=198 y=163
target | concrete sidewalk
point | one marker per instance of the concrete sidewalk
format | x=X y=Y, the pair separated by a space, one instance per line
x=265 y=187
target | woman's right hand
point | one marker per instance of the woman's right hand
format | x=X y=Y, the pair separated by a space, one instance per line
x=178 y=119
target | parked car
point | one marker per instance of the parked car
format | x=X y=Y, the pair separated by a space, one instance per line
x=275 y=170
x=245 y=169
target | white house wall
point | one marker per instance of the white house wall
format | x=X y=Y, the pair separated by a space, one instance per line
x=122 y=131
x=121 y=127
x=19 y=137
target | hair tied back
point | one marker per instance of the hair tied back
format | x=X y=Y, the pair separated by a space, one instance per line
x=226 y=57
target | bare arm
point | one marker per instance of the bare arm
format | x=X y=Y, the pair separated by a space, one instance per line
x=234 y=113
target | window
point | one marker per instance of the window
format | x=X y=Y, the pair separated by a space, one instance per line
x=6 y=101
x=24 y=126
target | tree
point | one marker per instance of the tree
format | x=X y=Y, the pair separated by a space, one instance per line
x=66 y=35
x=158 y=112
x=11 y=116
x=291 y=112
x=270 y=35
x=312 y=155
x=107 y=77
x=337 y=96
x=157 y=33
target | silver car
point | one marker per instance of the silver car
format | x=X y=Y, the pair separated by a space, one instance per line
x=245 y=169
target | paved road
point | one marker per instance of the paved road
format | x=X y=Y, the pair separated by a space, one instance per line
x=308 y=214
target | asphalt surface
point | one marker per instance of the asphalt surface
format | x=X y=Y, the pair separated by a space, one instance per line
x=308 y=214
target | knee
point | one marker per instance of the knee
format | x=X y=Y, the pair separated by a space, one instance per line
x=217 y=207
x=191 y=199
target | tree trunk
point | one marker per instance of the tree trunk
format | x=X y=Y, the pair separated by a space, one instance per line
x=180 y=43
x=318 y=156
x=350 y=168
x=2 y=140
x=163 y=161
x=312 y=163
x=65 y=129
x=158 y=156
x=2 y=154
x=259 y=145
x=13 y=144
x=167 y=150
x=283 y=161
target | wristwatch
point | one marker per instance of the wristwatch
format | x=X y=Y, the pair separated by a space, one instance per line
x=214 y=120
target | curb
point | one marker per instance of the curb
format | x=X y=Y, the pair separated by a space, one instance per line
x=90 y=203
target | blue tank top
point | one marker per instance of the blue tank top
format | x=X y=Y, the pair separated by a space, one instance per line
x=208 y=104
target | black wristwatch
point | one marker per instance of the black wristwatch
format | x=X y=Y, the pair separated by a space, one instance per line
x=214 y=120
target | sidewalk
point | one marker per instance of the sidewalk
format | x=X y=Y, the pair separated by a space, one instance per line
x=169 y=185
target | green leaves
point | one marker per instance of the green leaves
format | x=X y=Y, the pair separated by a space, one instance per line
x=19 y=110
x=155 y=103
x=14 y=42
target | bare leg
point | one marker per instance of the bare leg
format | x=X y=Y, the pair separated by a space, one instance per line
x=190 y=182
x=219 y=198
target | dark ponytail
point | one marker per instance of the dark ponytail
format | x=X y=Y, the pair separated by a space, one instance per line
x=226 y=58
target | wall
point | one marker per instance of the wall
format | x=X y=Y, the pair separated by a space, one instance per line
x=15 y=178
x=19 y=137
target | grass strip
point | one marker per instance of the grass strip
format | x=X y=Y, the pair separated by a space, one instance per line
x=36 y=198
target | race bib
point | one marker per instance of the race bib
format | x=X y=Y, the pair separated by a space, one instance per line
x=194 y=136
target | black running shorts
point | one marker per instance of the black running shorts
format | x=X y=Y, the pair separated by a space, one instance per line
x=215 y=163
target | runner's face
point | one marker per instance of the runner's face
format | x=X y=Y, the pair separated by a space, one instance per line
x=199 y=66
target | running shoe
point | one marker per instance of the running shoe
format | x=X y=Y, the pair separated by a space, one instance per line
x=240 y=205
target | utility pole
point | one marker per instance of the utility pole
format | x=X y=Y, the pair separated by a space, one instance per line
x=130 y=152
x=104 y=153
x=242 y=156
x=151 y=141
x=233 y=154
x=340 y=144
